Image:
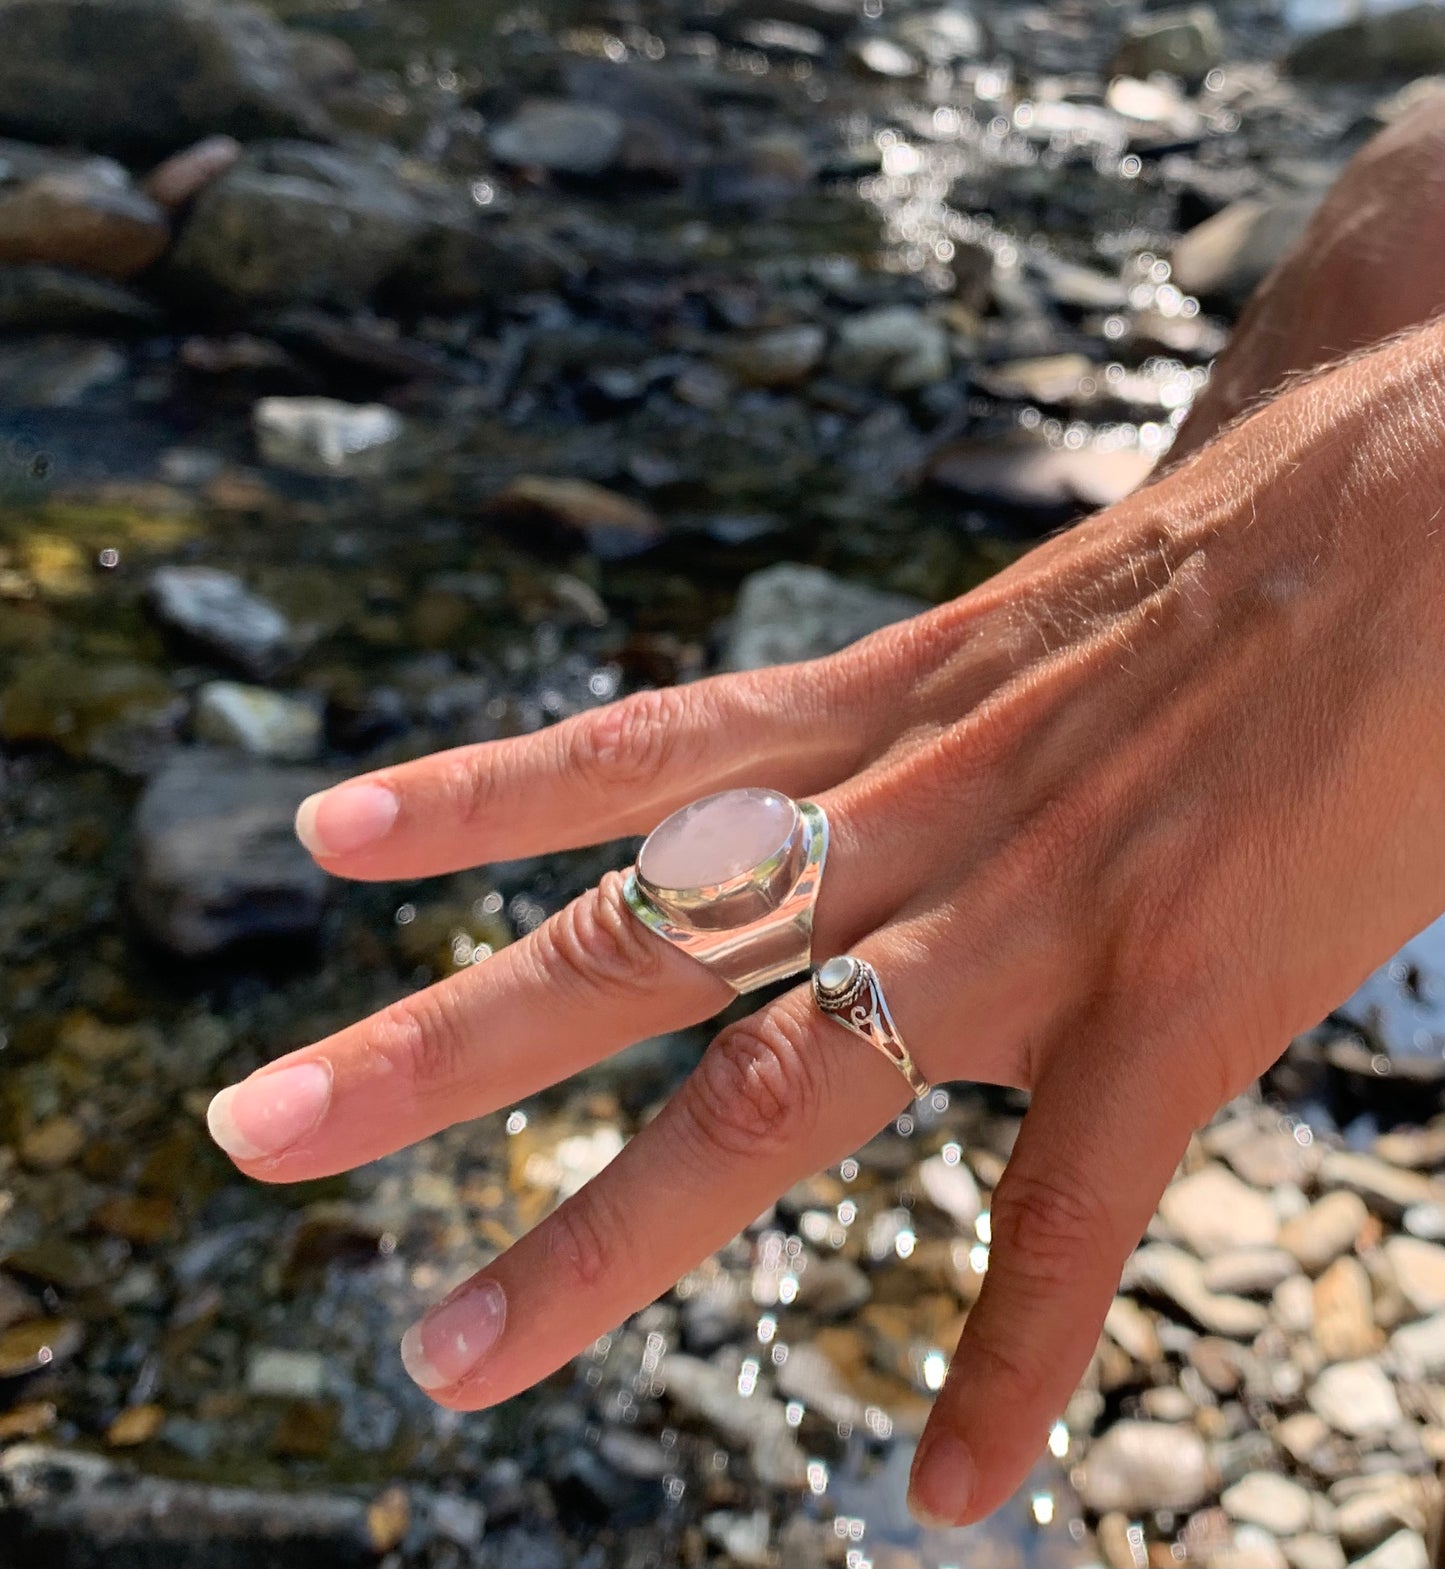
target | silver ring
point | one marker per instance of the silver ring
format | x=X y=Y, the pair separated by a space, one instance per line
x=732 y=880
x=848 y=990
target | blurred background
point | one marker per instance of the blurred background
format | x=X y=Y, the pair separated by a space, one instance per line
x=383 y=375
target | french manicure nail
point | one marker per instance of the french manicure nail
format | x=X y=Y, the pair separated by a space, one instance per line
x=448 y=1343
x=943 y=1480
x=350 y=817
x=269 y=1112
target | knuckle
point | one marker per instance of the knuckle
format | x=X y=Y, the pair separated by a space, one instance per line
x=420 y=1041
x=1048 y=1233
x=596 y=940
x=631 y=742
x=581 y=1241
x=758 y=1088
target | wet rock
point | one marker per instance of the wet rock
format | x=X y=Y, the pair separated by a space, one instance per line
x=134 y=1426
x=944 y=36
x=1050 y=378
x=1137 y=1466
x=743 y=1537
x=756 y=1422
x=809 y=1376
x=949 y=1186
x=88 y=218
x=1324 y=1231
x=1186 y=43
x=54 y=372
x=1265 y=1499
x=1419 y=1271
x=279 y=1373
x=87 y=71
x=112 y=711
x=1178 y=1278
x=325 y=438
x=217 y=611
x=896 y=347
x=216 y=858
x=38 y=1343
x=263 y=723
x=1249 y=1272
x=832 y=1287
x=1391 y=45
x=790 y=612
x=52 y=299
x=784 y=357
x=1386 y=1190
x=1212 y=1211
x=883 y=57
x=1404 y=1550
x=1044 y=483
x=178 y=180
x=1343 y=1312
x=103 y=1513
x=613 y=526
x=1355 y=1398
x=140 y=1218
x=834 y=19
x=1079 y=288
x=561 y=137
x=1225 y=258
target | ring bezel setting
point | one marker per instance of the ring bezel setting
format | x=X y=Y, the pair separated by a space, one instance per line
x=753 y=927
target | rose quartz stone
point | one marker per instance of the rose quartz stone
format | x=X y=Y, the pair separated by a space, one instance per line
x=717 y=838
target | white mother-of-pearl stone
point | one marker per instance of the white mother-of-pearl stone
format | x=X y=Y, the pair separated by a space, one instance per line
x=717 y=838
x=835 y=974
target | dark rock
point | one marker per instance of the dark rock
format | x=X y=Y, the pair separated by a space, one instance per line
x=216 y=857
x=141 y=76
x=49 y=371
x=113 y=711
x=790 y=612
x=1186 y=43
x=612 y=525
x=834 y=19
x=67 y=1511
x=1392 y=46
x=216 y=610
x=47 y=299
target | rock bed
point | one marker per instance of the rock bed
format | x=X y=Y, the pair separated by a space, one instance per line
x=375 y=399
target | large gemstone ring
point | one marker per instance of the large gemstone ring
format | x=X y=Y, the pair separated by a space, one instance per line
x=732 y=879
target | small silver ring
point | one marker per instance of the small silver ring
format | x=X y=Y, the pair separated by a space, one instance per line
x=752 y=924
x=849 y=990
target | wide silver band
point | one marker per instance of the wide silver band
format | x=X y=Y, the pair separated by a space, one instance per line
x=848 y=990
x=755 y=928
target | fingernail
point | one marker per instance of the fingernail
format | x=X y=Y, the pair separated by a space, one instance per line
x=943 y=1478
x=446 y=1345
x=269 y=1112
x=350 y=817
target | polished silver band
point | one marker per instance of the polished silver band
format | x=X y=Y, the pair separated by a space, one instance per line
x=848 y=990
x=754 y=928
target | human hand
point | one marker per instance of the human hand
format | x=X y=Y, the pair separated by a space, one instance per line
x=1103 y=826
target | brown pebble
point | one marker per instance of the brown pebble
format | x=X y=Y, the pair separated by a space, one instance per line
x=184 y=175
x=137 y=1218
x=38 y=1343
x=135 y=1425
x=52 y=1144
x=387 y=1519
x=27 y=1421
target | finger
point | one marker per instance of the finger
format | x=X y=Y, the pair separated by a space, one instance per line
x=601 y=775
x=587 y=982
x=1096 y=1150
x=774 y=1098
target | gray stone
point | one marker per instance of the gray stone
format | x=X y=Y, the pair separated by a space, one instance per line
x=1267 y=1499
x=54 y=372
x=561 y=137
x=283 y=1374
x=1174 y=1275
x=895 y=347
x=832 y=1287
x=39 y=298
x=1138 y=1466
x=216 y=857
x=1212 y=1211
x=790 y=612
x=1249 y=1272
x=949 y=1186
x=883 y=57
x=218 y=611
x=783 y=357
x=146 y=76
x=1355 y=1398
x=1418 y=1349
x=1224 y=259
x=1391 y=46
x=756 y=1422
x=324 y=437
x=1187 y=43
x=743 y=1537
x=807 y=1375
x=258 y=721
